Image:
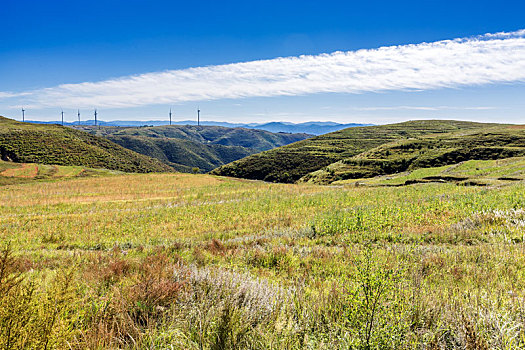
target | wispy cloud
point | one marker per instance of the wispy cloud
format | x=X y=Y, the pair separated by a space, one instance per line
x=424 y=108
x=6 y=94
x=491 y=58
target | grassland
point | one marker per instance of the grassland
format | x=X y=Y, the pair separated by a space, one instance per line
x=57 y=145
x=290 y=163
x=185 y=147
x=202 y=262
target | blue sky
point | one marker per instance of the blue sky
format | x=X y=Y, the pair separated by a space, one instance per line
x=139 y=55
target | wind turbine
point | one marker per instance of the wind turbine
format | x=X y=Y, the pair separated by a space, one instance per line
x=62 y=117
x=95 y=117
x=170 y=116
x=198 y=116
x=78 y=114
x=23 y=114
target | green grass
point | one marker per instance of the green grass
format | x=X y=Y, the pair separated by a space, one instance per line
x=54 y=144
x=290 y=163
x=70 y=171
x=203 y=262
x=184 y=147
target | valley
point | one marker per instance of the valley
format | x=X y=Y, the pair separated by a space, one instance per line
x=186 y=147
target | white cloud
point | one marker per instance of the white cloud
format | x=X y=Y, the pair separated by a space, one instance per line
x=491 y=58
x=5 y=94
x=424 y=108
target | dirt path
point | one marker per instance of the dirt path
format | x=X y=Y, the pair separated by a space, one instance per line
x=28 y=171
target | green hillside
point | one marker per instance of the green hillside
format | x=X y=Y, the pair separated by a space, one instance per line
x=54 y=144
x=182 y=155
x=184 y=147
x=290 y=163
x=427 y=151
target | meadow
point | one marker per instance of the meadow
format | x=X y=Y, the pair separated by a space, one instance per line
x=180 y=261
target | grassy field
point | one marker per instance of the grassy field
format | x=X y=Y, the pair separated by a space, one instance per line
x=201 y=262
x=290 y=163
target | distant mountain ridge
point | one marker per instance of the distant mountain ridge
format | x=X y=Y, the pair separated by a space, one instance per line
x=313 y=127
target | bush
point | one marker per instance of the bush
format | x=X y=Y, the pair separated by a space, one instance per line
x=376 y=315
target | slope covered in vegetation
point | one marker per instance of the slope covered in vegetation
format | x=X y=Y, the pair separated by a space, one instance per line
x=470 y=172
x=184 y=147
x=290 y=163
x=54 y=144
x=427 y=151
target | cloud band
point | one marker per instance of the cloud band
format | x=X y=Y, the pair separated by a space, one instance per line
x=491 y=58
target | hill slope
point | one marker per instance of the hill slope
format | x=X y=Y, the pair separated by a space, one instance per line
x=292 y=162
x=425 y=152
x=184 y=147
x=54 y=144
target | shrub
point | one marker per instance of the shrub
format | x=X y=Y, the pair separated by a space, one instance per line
x=376 y=315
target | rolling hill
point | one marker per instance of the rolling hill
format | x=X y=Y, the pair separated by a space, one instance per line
x=184 y=147
x=427 y=151
x=290 y=163
x=54 y=144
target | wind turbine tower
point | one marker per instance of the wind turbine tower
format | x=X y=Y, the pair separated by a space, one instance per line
x=95 y=117
x=23 y=114
x=170 y=116
x=78 y=115
x=198 y=116
x=62 y=118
